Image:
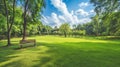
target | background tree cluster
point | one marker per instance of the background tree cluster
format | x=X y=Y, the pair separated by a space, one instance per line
x=108 y=12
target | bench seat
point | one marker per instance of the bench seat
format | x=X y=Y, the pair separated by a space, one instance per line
x=27 y=42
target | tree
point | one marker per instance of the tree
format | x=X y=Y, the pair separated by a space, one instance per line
x=17 y=26
x=79 y=27
x=105 y=7
x=31 y=8
x=108 y=13
x=89 y=28
x=24 y=17
x=96 y=25
x=112 y=23
x=65 y=29
x=48 y=29
x=7 y=6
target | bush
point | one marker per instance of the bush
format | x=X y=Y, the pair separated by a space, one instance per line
x=79 y=32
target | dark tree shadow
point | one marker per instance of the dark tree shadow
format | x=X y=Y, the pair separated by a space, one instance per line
x=67 y=54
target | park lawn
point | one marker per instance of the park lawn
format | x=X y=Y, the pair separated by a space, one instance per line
x=55 y=51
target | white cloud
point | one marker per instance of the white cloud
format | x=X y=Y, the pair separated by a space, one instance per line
x=82 y=12
x=61 y=6
x=92 y=11
x=66 y=16
x=52 y=20
x=55 y=18
x=62 y=18
x=84 y=4
x=85 y=20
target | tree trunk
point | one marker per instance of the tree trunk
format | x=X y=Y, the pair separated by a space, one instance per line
x=24 y=29
x=9 y=26
x=13 y=15
x=8 y=32
x=8 y=43
x=25 y=23
x=65 y=34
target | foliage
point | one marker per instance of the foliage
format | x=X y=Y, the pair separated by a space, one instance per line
x=108 y=15
x=2 y=24
x=65 y=29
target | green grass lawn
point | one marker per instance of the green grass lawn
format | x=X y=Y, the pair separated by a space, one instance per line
x=54 y=51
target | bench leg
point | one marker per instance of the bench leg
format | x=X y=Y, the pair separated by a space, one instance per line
x=34 y=44
x=20 y=46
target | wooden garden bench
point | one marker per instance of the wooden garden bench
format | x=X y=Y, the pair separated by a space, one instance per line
x=26 y=42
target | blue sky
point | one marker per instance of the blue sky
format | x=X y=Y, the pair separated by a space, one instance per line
x=58 y=12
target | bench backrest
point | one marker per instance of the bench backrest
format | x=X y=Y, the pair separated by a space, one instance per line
x=27 y=41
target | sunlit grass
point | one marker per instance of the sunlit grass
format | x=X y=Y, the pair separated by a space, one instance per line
x=55 y=51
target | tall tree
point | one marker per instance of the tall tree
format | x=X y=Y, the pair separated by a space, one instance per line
x=32 y=8
x=9 y=24
x=106 y=11
x=24 y=17
x=65 y=29
x=6 y=12
x=96 y=25
x=104 y=7
x=9 y=21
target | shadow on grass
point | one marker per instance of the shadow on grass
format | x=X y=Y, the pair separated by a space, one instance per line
x=18 y=48
x=68 y=54
x=84 y=54
x=5 y=53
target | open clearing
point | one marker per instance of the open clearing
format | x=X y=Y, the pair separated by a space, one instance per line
x=55 y=51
